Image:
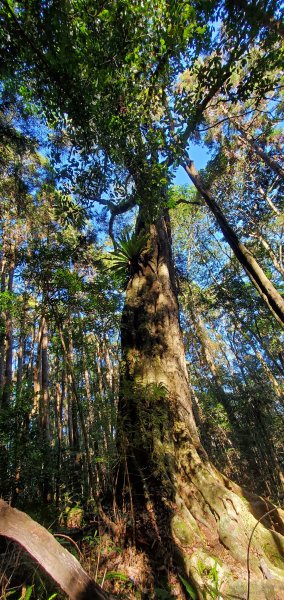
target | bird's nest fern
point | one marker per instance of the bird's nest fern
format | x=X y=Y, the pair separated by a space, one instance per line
x=125 y=260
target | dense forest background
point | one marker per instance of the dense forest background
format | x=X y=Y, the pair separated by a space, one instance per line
x=102 y=104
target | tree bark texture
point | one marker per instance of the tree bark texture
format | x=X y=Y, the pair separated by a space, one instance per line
x=181 y=511
x=58 y=563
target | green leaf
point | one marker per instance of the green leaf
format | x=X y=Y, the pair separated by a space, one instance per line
x=190 y=590
x=116 y=575
x=28 y=593
x=163 y=45
x=104 y=15
x=124 y=261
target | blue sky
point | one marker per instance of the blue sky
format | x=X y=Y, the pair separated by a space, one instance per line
x=200 y=156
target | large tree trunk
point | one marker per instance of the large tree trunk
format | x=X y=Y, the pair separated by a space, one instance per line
x=183 y=513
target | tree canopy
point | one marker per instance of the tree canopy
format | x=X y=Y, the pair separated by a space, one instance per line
x=107 y=410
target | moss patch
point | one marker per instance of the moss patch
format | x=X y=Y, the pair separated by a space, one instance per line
x=182 y=530
x=207 y=573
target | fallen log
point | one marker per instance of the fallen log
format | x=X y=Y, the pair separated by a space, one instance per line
x=55 y=560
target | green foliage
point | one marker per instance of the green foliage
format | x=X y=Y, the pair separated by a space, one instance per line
x=28 y=593
x=10 y=302
x=116 y=575
x=146 y=394
x=118 y=578
x=126 y=259
x=190 y=590
x=182 y=195
x=211 y=577
x=67 y=211
x=65 y=284
x=129 y=86
x=92 y=540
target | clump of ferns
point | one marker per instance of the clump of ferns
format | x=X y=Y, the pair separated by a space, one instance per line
x=126 y=260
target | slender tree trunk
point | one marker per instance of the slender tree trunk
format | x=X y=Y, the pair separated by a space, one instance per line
x=263 y=285
x=8 y=373
x=69 y=358
x=278 y=389
x=99 y=369
x=260 y=446
x=249 y=141
x=20 y=426
x=278 y=266
x=182 y=511
x=69 y=363
x=44 y=396
x=205 y=343
x=90 y=425
x=221 y=395
x=70 y=404
x=268 y=200
x=2 y=327
x=44 y=378
x=58 y=409
x=262 y=442
x=37 y=370
x=20 y=354
x=108 y=367
x=41 y=404
x=257 y=337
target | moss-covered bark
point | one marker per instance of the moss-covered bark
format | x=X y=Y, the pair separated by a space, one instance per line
x=183 y=513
